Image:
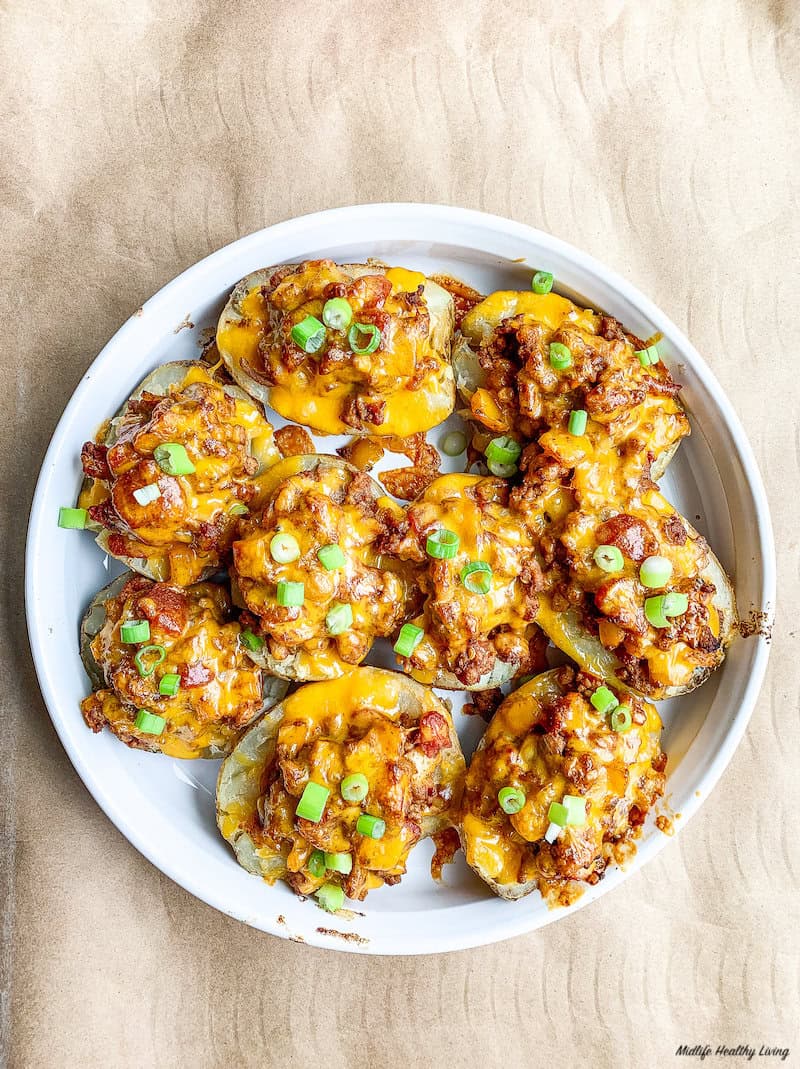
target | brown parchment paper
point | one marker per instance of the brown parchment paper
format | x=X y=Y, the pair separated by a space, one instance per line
x=136 y=137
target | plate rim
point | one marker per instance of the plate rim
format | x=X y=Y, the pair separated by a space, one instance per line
x=436 y=213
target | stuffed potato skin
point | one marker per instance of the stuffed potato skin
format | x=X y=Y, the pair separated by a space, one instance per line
x=182 y=535
x=380 y=724
x=220 y=691
x=406 y=385
x=547 y=740
x=503 y=372
x=319 y=501
x=472 y=640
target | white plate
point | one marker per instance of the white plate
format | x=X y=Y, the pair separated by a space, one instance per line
x=165 y=807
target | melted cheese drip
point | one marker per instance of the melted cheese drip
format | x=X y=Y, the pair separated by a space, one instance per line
x=315 y=400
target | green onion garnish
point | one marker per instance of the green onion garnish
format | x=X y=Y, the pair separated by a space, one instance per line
x=312 y=802
x=72 y=519
x=407 y=641
x=502 y=471
x=146 y=495
x=557 y=814
x=251 y=642
x=577 y=421
x=655 y=572
x=354 y=788
x=477 y=577
x=363 y=330
x=553 y=832
x=331 y=897
x=654 y=611
x=308 y=334
x=135 y=631
x=503 y=450
x=337 y=314
x=339 y=863
x=560 y=356
x=371 y=827
x=454 y=444
x=576 y=810
x=169 y=684
x=331 y=557
x=148 y=658
x=284 y=548
x=648 y=356
x=290 y=594
x=621 y=719
x=149 y=723
x=609 y=558
x=239 y=509
x=542 y=282
x=511 y=799
x=675 y=603
x=339 y=618
x=442 y=544
x=603 y=700
x=173 y=459
x=316 y=864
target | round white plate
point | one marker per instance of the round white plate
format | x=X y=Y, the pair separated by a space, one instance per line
x=165 y=807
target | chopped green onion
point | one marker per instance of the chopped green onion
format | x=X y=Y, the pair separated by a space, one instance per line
x=135 y=631
x=503 y=450
x=648 y=356
x=339 y=863
x=331 y=557
x=542 y=282
x=477 y=577
x=560 y=356
x=675 y=603
x=603 y=700
x=251 y=642
x=72 y=519
x=609 y=558
x=553 y=832
x=363 y=330
x=308 y=334
x=454 y=443
x=149 y=723
x=337 y=314
x=502 y=471
x=173 y=459
x=316 y=864
x=239 y=509
x=284 y=548
x=169 y=684
x=654 y=611
x=407 y=641
x=331 y=897
x=557 y=814
x=148 y=658
x=371 y=827
x=577 y=421
x=511 y=799
x=655 y=572
x=312 y=802
x=442 y=544
x=339 y=618
x=290 y=594
x=146 y=495
x=621 y=719
x=576 y=810
x=354 y=788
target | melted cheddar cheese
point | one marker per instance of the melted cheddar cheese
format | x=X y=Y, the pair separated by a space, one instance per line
x=376 y=723
x=327 y=504
x=547 y=740
x=405 y=386
x=220 y=688
x=186 y=531
x=461 y=627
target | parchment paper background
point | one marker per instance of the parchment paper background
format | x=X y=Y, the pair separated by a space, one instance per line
x=136 y=137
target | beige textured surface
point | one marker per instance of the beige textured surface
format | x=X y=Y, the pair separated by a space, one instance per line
x=137 y=137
